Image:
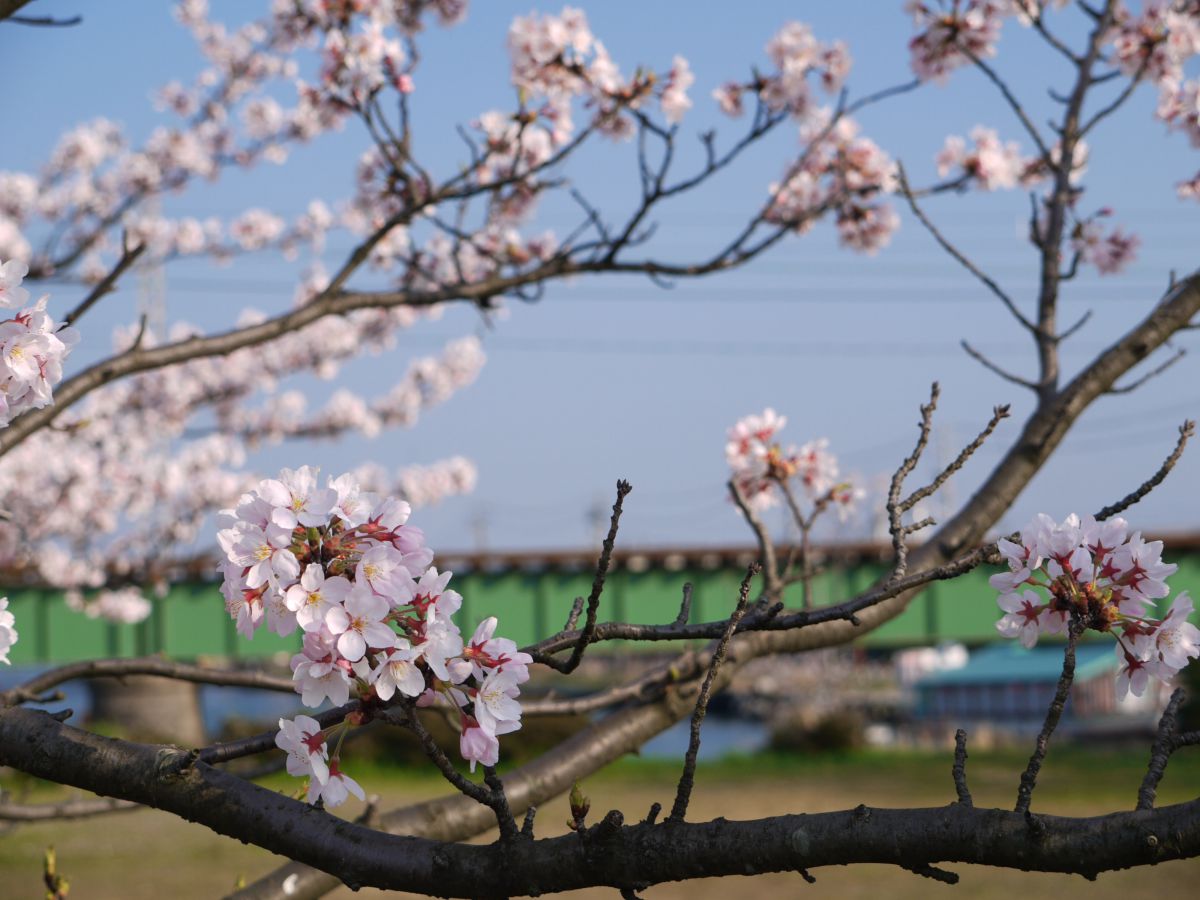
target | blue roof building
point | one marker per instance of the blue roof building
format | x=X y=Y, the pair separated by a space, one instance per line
x=1006 y=689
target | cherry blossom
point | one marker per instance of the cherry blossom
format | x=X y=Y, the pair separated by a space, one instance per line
x=358 y=623
x=315 y=595
x=336 y=790
x=477 y=744
x=11 y=275
x=32 y=348
x=990 y=164
x=1100 y=575
x=304 y=742
x=1110 y=252
x=1189 y=188
x=761 y=466
x=8 y=633
x=377 y=620
x=126 y=605
x=674 y=99
x=1156 y=43
x=954 y=35
x=397 y=670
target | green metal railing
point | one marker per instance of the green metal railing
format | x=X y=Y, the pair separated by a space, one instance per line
x=191 y=622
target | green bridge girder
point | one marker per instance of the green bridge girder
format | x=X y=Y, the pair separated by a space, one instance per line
x=531 y=601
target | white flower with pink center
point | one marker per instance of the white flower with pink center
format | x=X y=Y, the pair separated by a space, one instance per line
x=304 y=742
x=1024 y=619
x=297 y=500
x=477 y=744
x=359 y=625
x=1177 y=640
x=336 y=790
x=315 y=595
x=264 y=553
x=8 y=631
x=397 y=670
x=442 y=643
x=496 y=706
x=500 y=654
x=382 y=570
x=12 y=273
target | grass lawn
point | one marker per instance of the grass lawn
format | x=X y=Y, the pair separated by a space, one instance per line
x=147 y=854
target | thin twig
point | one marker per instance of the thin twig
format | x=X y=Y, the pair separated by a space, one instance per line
x=927 y=870
x=504 y=816
x=1186 y=430
x=128 y=257
x=1134 y=80
x=685 y=605
x=77 y=808
x=573 y=616
x=895 y=507
x=44 y=21
x=1011 y=98
x=602 y=564
x=687 y=779
x=993 y=367
x=999 y=414
x=1083 y=320
x=1053 y=714
x=766 y=547
x=1179 y=354
x=959 y=256
x=36 y=687
x=959 y=770
x=488 y=796
x=1160 y=754
x=260 y=743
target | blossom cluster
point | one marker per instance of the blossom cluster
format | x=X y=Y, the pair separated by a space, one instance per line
x=131 y=481
x=799 y=58
x=1105 y=578
x=761 y=466
x=556 y=58
x=990 y=164
x=32 y=348
x=844 y=171
x=1153 y=43
x=127 y=605
x=346 y=568
x=949 y=37
x=1108 y=251
x=8 y=633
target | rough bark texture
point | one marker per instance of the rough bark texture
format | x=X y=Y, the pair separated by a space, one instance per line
x=608 y=853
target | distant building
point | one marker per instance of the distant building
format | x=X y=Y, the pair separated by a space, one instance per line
x=1004 y=690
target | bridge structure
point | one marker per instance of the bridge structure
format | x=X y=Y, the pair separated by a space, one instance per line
x=531 y=593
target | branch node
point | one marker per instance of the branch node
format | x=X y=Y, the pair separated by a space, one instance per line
x=925 y=870
x=959 y=771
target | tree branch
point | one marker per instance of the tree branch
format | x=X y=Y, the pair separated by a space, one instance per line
x=608 y=853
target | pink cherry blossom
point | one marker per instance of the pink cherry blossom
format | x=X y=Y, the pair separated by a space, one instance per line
x=8 y=631
x=476 y=744
x=315 y=595
x=358 y=623
x=304 y=742
x=11 y=275
x=335 y=790
x=397 y=671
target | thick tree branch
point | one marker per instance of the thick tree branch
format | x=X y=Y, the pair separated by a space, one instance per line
x=608 y=853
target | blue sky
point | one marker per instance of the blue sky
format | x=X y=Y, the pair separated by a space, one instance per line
x=610 y=378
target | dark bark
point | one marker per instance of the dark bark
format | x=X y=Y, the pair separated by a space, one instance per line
x=608 y=853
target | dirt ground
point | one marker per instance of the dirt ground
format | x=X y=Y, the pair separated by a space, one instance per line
x=147 y=854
